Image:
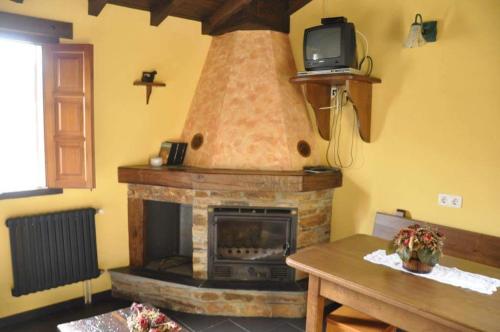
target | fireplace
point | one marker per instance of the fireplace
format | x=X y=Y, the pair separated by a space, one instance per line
x=214 y=241
x=250 y=243
x=243 y=180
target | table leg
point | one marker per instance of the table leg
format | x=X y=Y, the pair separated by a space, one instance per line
x=315 y=306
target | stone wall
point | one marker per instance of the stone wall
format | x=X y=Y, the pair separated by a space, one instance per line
x=314 y=213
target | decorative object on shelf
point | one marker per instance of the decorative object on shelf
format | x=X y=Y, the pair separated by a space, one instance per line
x=419 y=247
x=147 y=80
x=421 y=33
x=359 y=92
x=156 y=161
x=173 y=153
x=148 y=76
x=146 y=318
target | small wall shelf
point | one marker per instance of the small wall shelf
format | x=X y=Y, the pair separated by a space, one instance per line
x=149 y=86
x=318 y=92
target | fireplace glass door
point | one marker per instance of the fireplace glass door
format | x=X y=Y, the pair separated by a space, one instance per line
x=252 y=238
x=251 y=243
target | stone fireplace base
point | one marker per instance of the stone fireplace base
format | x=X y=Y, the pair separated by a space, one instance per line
x=309 y=196
x=201 y=299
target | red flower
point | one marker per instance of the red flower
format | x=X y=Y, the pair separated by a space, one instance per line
x=427 y=237
x=143 y=322
x=160 y=319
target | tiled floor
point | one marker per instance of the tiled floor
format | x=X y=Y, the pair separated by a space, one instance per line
x=200 y=323
x=191 y=322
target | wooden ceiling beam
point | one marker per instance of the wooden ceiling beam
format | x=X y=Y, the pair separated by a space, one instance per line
x=96 y=6
x=294 y=5
x=223 y=14
x=162 y=10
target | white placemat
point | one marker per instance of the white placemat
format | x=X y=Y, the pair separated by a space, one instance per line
x=446 y=275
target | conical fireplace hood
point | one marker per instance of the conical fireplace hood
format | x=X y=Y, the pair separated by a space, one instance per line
x=245 y=114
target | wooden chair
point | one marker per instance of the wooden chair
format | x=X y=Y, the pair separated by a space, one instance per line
x=346 y=319
x=481 y=248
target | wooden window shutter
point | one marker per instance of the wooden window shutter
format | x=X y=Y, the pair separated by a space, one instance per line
x=68 y=107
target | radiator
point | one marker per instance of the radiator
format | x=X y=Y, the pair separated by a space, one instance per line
x=52 y=250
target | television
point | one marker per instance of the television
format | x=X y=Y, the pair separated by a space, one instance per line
x=331 y=45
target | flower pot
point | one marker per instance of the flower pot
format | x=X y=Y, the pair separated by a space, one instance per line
x=415 y=265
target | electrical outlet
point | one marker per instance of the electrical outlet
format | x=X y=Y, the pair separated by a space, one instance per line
x=456 y=202
x=333 y=91
x=451 y=201
x=443 y=200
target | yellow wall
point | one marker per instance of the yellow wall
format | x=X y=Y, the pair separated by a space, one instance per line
x=126 y=130
x=435 y=116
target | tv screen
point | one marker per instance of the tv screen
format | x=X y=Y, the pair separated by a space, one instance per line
x=331 y=45
x=324 y=43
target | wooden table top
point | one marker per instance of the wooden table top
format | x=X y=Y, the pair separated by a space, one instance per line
x=342 y=262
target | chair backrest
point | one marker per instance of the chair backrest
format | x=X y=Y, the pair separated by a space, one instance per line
x=477 y=247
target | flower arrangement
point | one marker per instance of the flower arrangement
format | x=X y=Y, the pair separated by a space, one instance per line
x=419 y=247
x=145 y=318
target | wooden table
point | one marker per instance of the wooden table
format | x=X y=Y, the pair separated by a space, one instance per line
x=337 y=271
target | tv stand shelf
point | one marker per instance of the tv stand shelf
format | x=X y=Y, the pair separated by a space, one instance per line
x=359 y=88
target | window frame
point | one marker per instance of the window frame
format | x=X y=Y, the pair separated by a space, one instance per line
x=46 y=33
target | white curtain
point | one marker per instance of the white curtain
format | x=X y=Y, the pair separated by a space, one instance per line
x=22 y=160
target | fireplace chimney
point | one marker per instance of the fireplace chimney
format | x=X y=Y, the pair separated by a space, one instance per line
x=245 y=114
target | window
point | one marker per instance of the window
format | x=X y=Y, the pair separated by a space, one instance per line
x=21 y=117
x=46 y=116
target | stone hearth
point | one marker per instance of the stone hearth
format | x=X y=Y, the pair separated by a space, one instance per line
x=203 y=298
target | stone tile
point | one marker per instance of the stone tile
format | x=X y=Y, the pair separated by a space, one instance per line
x=299 y=323
x=197 y=323
x=286 y=327
x=225 y=326
x=258 y=324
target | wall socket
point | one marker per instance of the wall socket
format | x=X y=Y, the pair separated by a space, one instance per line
x=451 y=201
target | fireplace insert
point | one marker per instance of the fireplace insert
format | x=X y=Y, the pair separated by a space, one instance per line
x=250 y=243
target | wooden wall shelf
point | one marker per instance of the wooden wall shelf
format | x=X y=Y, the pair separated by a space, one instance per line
x=149 y=86
x=318 y=92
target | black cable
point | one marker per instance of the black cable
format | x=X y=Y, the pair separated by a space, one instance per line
x=370 y=64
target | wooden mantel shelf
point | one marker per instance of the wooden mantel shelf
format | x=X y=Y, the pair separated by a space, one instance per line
x=359 y=88
x=224 y=179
